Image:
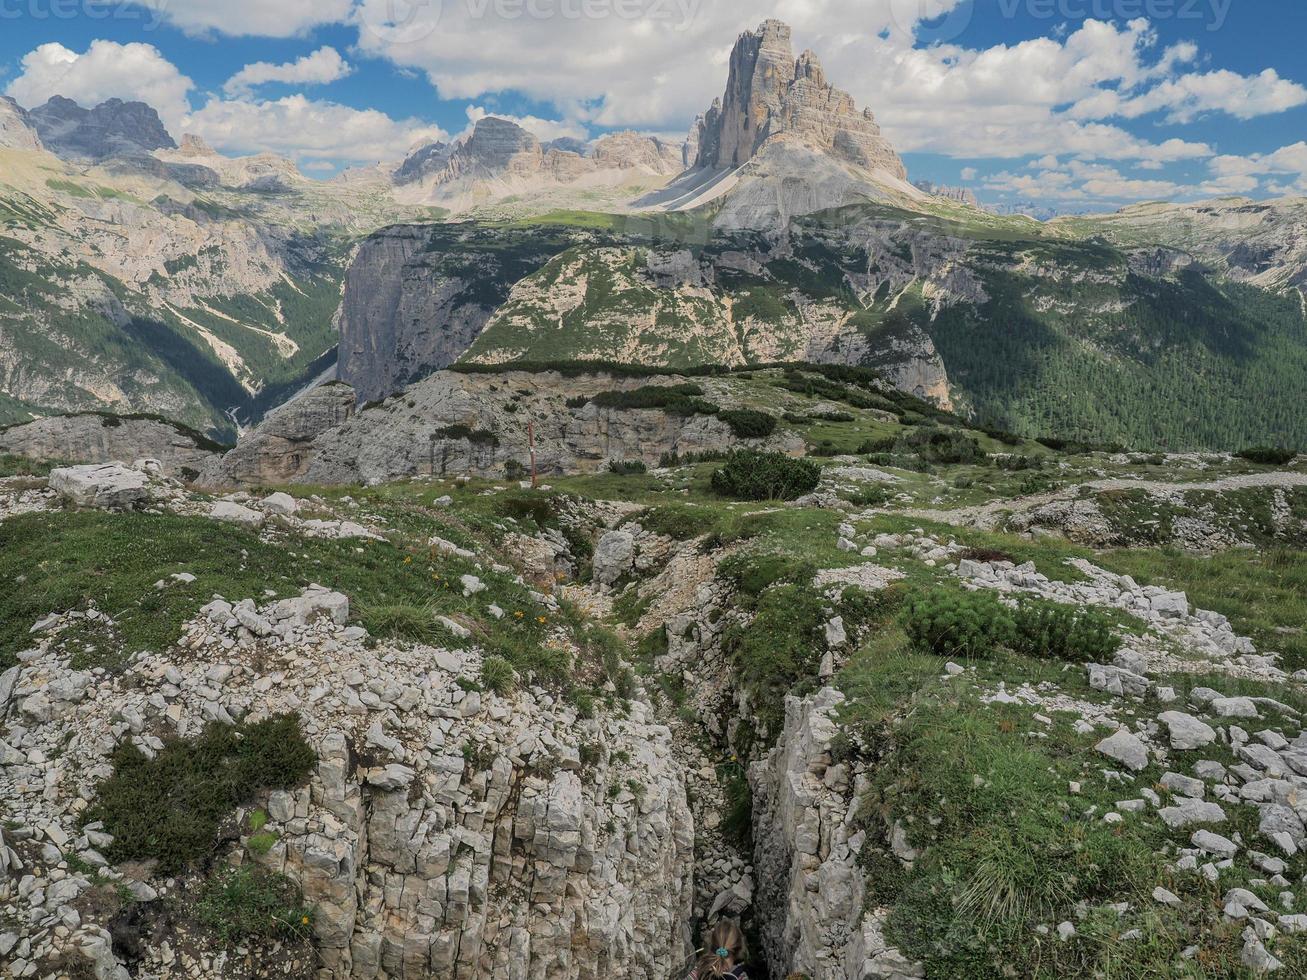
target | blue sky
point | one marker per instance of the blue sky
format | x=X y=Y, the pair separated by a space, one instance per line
x=1070 y=104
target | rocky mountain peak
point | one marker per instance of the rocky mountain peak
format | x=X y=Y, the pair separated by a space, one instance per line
x=772 y=95
x=112 y=129
x=16 y=129
x=495 y=147
x=196 y=146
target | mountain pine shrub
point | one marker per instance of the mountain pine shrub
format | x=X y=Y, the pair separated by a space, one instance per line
x=750 y=475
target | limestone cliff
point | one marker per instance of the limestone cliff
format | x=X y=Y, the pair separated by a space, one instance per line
x=455 y=424
x=95 y=438
x=770 y=95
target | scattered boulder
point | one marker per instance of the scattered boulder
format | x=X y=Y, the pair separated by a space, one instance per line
x=110 y=486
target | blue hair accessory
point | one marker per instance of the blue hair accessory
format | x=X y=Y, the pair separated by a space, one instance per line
x=723 y=952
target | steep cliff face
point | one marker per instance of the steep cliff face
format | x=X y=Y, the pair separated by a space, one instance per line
x=112 y=129
x=105 y=439
x=16 y=128
x=417 y=296
x=443 y=831
x=812 y=899
x=791 y=142
x=455 y=424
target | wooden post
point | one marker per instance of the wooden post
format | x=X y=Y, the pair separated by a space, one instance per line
x=531 y=440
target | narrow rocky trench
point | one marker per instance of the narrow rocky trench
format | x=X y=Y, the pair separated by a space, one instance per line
x=772 y=847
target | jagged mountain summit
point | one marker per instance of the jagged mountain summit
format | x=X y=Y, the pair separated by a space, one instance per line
x=783 y=141
x=502 y=160
x=112 y=129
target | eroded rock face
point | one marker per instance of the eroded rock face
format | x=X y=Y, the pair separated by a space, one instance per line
x=770 y=95
x=280 y=450
x=96 y=438
x=112 y=129
x=457 y=424
x=16 y=128
x=812 y=895
x=443 y=832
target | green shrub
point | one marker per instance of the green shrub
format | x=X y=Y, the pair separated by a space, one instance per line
x=678 y=522
x=580 y=401
x=1052 y=631
x=834 y=417
x=248 y=902
x=497 y=675
x=1017 y=464
x=748 y=424
x=750 y=475
x=627 y=467
x=936 y=445
x=685 y=399
x=480 y=437
x=169 y=808
x=958 y=624
x=1265 y=456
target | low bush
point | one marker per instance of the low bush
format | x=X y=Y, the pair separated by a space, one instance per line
x=750 y=475
x=1265 y=456
x=748 y=424
x=480 y=437
x=685 y=399
x=169 y=808
x=937 y=445
x=957 y=624
x=1053 y=631
x=1018 y=464
x=627 y=467
x=248 y=902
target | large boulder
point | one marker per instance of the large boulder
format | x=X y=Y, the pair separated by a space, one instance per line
x=614 y=557
x=108 y=487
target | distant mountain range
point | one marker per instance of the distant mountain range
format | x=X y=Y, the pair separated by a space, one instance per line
x=137 y=274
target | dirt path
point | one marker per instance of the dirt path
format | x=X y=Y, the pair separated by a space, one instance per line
x=986 y=515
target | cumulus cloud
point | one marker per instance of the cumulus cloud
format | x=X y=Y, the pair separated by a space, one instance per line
x=1080 y=181
x=106 y=70
x=1241 y=174
x=301 y=128
x=262 y=18
x=319 y=68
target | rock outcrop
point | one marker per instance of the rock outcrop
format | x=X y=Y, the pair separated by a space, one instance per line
x=443 y=831
x=771 y=96
x=112 y=129
x=281 y=449
x=97 y=438
x=16 y=128
x=456 y=424
x=500 y=159
x=812 y=897
x=782 y=142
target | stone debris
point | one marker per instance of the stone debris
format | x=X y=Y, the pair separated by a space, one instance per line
x=471 y=809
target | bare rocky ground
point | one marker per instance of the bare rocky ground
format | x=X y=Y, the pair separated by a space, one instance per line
x=628 y=708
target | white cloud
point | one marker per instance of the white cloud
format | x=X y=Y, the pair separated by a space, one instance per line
x=1242 y=96
x=543 y=129
x=106 y=70
x=319 y=68
x=298 y=127
x=1239 y=174
x=265 y=18
x=1081 y=181
x=969 y=173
